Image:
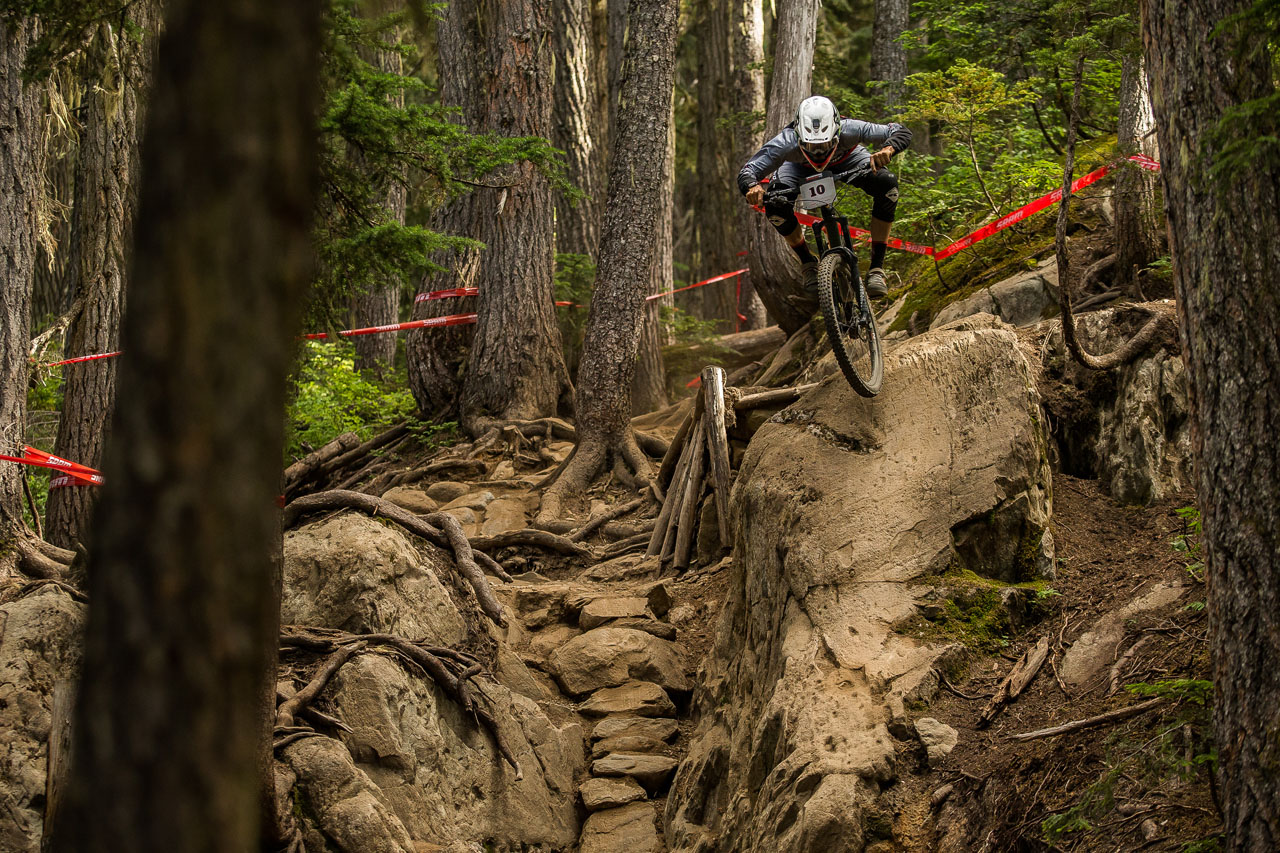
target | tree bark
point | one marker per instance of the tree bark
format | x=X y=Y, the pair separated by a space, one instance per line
x=183 y=578
x=1224 y=230
x=775 y=271
x=627 y=251
x=1137 y=215
x=717 y=194
x=102 y=237
x=496 y=66
x=888 y=57
x=380 y=305
x=577 y=129
x=746 y=95
x=649 y=388
x=21 y=186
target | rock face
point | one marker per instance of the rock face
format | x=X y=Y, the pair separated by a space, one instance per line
x=1020 y=300
x=842 y=503
x=39 y=647
x=1128 y=427
x=415 y=769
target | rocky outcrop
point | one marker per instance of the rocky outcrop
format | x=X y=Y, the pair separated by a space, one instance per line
x=39 y=647
x=1020 y=300
x=414 y=767
x=842 y=508
x=1129 y=427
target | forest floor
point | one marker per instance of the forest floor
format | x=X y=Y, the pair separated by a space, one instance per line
x=1138 y=784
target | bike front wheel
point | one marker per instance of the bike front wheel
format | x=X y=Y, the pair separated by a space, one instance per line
x=851 y=324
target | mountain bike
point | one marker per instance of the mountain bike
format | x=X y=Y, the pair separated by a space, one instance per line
x=846 y=310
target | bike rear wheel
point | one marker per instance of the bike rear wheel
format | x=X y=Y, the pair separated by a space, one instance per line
x=851 y=324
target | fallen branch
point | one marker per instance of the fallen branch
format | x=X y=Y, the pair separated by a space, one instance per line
x=772 y=398
x=689 y=505
x=304 y=467
x=469 y=466
x=379 y=508
x=536 y=538
x=1016 y=681
x=624 y=546
x=1090 y=722
x=595 y=523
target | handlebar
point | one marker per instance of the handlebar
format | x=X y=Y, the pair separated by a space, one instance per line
x=786 y=194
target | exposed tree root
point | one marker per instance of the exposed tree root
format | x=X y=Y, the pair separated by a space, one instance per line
x=39 y=559
x=1161 y=327
x=450 y=669
x=451 y=537
x=587 y=462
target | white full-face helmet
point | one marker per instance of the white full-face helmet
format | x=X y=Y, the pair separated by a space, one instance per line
x=818 y=126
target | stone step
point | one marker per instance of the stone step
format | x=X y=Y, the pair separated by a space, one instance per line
x=628 y=829
x=639 y=698
x=601 y=793
x=652 y=771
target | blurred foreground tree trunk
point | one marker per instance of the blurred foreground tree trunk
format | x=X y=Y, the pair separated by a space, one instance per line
x=106 y=201
x=1215 y=107
x=172 y=725
x=746 y=93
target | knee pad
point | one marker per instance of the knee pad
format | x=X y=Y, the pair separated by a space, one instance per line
x=885 y=197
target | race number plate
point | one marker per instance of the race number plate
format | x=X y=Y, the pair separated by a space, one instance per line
x=817 y=191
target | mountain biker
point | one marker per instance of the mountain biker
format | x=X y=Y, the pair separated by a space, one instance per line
x=817 y=140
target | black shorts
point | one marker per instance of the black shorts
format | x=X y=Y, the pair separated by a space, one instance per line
x=882 y=186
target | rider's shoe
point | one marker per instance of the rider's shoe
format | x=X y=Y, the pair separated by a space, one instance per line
x=809 y=272
x=876 y=286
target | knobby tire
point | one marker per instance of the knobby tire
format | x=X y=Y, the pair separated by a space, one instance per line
x=841 y=295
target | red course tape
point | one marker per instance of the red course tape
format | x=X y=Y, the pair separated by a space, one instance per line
x=79 y=475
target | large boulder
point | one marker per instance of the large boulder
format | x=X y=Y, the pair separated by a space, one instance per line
x=609 y=657
x=842 y=509
x=1023 y=299
x=1129 y=427
x=39 y=648
x=355 y=573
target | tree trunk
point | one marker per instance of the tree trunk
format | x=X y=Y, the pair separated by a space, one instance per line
x=649 y=388
x=888 y=57
x=627 y=252
x=577 y=128
x=181 y=636
x=102 y=227
x=1137 y=214
x=497 y=67
x=717 y=194
x=21 y=186
x=746 y=96
x=1224 y=228
x=380 y=305
x=774 y=268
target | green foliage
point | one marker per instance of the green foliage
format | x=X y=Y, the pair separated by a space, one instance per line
x=575 y=276
x=1179 y=690
x=331 y=397
x=1096 y=801
x=686 y=328
x=1212 y=844
x=1188 y=541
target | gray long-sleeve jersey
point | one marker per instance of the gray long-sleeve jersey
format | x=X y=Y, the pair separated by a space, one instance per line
x=785 y=148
